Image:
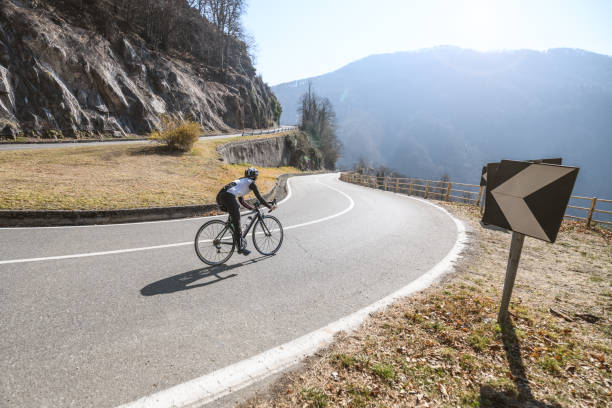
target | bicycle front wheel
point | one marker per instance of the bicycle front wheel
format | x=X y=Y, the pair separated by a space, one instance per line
x=268 y=235
x=214 y=242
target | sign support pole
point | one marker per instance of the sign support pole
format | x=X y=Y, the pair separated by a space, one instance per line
x=516 y=246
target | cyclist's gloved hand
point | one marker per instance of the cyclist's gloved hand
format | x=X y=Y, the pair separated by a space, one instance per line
x=272 y=208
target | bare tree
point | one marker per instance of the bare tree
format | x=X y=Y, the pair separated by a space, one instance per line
x=318 y=120
x=225 y=15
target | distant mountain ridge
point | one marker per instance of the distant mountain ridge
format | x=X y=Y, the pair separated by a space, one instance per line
x=451 y=110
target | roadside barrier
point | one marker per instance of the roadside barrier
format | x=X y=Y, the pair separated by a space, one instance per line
x=458 y=192
x=591 y=210
x=270 y=131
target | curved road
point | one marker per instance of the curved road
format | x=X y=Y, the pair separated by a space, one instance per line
x=101 y=316
x=30 y=146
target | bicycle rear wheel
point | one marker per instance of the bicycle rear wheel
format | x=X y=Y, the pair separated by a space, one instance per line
x=268 y=235
x=214 y=242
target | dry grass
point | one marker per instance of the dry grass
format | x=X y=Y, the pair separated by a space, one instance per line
x=443 y=347
x=118 y=176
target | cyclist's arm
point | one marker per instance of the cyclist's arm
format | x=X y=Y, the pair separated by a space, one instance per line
x=245 y=204
x=259 y=197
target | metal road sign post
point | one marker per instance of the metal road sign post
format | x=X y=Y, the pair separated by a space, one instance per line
x=516 y=246
x=528 y=198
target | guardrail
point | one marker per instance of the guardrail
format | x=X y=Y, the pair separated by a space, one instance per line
x=457 y=192
x=269 y=131
x=591 y=210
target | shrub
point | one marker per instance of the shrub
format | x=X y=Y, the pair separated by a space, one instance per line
x=178 y=136
x=478 y=341
x=385 y=371
x=317 y=398
x=345 y=360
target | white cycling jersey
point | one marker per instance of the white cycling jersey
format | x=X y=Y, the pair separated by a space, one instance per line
x=241 y=187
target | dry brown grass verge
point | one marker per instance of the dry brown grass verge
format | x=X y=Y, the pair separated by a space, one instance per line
x=443 y=347
x=119 y=176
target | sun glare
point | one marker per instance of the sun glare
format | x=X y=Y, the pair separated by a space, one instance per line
x=479 y=25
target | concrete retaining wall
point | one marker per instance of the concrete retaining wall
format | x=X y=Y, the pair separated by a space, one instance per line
x=270 y=152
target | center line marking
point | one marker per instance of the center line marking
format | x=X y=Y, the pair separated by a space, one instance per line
x=123 y=251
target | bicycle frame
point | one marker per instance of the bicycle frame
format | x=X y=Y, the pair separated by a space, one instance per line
x=245 y=232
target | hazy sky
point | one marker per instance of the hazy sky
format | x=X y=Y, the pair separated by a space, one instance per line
x=304 y=38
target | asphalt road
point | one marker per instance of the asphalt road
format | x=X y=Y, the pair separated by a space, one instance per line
x=22 y=146
x=103 y=330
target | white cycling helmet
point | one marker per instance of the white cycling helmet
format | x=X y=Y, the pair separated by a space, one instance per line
x=251 y=173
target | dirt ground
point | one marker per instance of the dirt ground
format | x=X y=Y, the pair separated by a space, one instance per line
x=444 y=348
x=118 y=176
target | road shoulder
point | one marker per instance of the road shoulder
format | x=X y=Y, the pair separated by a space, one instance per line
x=443 y=347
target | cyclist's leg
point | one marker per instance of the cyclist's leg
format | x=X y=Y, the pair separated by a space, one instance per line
x=233 y=208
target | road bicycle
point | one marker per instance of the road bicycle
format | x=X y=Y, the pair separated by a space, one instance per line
x=214 y=241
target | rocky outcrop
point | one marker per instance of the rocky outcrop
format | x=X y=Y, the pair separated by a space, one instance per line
x=291 y=150
x=57 y=80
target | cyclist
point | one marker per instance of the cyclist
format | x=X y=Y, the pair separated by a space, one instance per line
x=226 y=198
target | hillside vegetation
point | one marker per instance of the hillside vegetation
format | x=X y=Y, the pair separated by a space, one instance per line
x=448 y=110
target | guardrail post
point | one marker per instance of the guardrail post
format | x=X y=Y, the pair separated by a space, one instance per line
x=448 y=189
x=411 y=181
x=426 y=189
x=397 y=184
x=386 y=182
x=479 y=197
x=373 y=181
x=590 y=216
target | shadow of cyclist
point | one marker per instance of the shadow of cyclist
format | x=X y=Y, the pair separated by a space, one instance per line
x=185 y=281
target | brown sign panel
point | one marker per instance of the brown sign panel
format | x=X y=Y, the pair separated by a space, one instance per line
x=486 y=172
x=483 y=176
x=529 y=198
x=558 y=161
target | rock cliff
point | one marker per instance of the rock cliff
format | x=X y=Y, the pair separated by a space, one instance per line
x=291 y=150
x=60 y=80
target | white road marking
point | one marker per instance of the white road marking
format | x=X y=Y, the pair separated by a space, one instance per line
x=347 y=209
x=220 y=383
x=288 y=192
x=85 y=255
x=122 y=251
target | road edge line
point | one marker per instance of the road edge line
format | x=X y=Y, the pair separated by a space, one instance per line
x=177 y=244
x=222 y=382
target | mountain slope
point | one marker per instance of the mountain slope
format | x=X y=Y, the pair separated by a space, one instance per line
x=450 y=110
x=61 y=75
